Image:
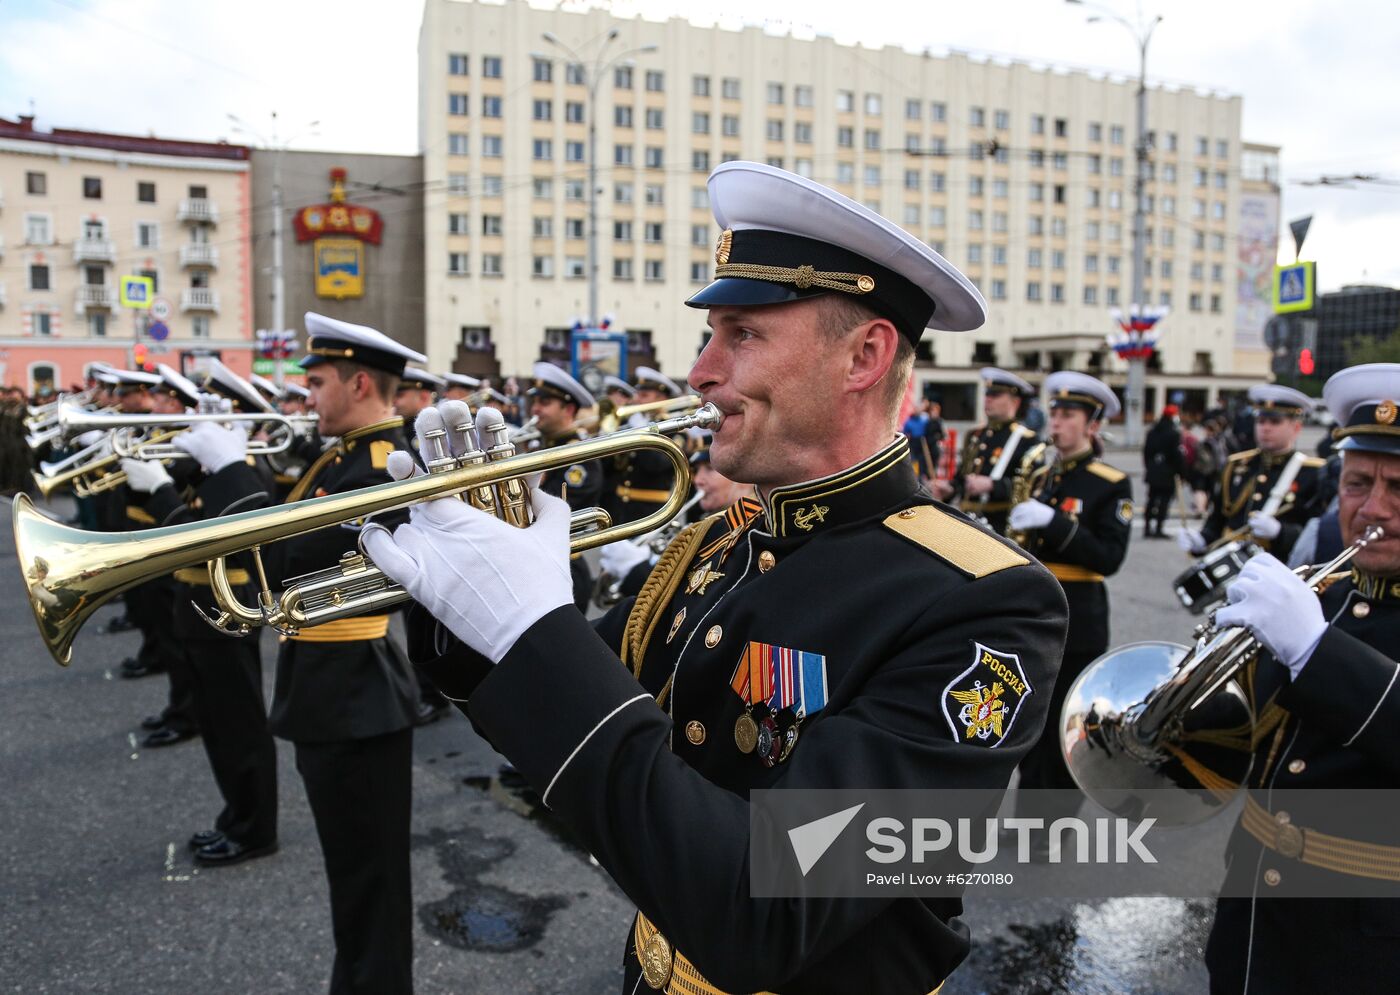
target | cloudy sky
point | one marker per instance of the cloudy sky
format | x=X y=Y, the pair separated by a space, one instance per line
x=1318 y=77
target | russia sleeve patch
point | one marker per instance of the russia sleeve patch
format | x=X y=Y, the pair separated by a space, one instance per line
x=981 y=703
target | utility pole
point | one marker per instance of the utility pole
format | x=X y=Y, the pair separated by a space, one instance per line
x=593 y=73
x=1136 y=387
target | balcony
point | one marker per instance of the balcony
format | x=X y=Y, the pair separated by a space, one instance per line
x=199 y=299
x=200 y=210
x=95 y=296
x=199 y=254
x=94 y=250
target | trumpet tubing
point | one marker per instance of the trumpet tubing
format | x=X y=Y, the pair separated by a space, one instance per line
x=70 y=573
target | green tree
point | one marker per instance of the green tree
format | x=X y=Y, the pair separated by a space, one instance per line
x=1378 y=350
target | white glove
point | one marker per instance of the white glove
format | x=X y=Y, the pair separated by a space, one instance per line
x=1274 y=604
x=1191 y=541
x=214 y=446
x=1031 y=515
x=619 y=558
x=485 y=580
x=145 y=477
x=1264 y=526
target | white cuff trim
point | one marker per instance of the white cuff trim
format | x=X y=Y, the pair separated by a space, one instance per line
x=601 y=722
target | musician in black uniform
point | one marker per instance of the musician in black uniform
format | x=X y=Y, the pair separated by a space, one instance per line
x=1327 y=710
x=226 y=673
x=459 y=386
x=909 y=605
x=639 y=483
x=344 y=695
x=555 y=401
x=1249 y=479
x=985 y=492
x=1077 y=522
x=417 y=390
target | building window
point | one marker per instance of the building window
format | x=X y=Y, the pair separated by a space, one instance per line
x=974 y=220
x=38 y=277
x=700 y=272
x=1058 y=193
x=491 y=66
x=457 y=143
x=457 y=184
x=622 y=269
x=573 y=152
x=999 y=221
x=655 y=157
x=1111 y=297
x=937 y=217
x=845 y=136
x=490 y=106
x=491 y=146
x=491 y=224
x=92 y=187
x=622 y=116
x=774 y=130
x=1091 y=295
x=574 y=268
x=654 y=193
x=1115 y=134
x=699 y=123
x=491 y=186
x=543 y=110
x=802 y=96
x=937 y=182
x=655 y=118
x=872 y=139
x=542 y=149
x=1057 y=293
x=542 y=70
x=622 y=155
x=622 y=193
x=1214 y=303
x=574 y=74
x=845 y=101
x=622 y=231
x=456 y=64
x=656 y=81
x=802 y=167
x=700 y=198
x=97 y=324
x=1057 y=259
x=146 y=193
x=457 y=104
x=998 y=255
x=573 y=228
x=1037 y=124
x=802 y=133
x=491 y=264
x=872 y=103
x=573 y=111
x=845 y=172
x=1202 y=146
x=653 y=231
x=974 y=254
x=1034 y=258
x=654 y=271
x=542 y=227
x=542 y=266
x=699 y=161
x=730 y=126
x=199 y=326
x=700 y=86
x=976 y=117
x=36 y=184
x=775 y=93
x=622 y=78
x=43 y=323
x=998 y=290
x=729 y=88
x=912 y=179
x=1033 y=290
x=148 y=235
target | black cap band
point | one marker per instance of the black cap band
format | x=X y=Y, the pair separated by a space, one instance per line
x=323 y=348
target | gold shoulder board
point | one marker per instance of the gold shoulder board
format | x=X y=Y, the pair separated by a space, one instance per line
x=1110 y=473
x=960 y=543
x=379 y=451
x=1245 y=454
x=1314 y=462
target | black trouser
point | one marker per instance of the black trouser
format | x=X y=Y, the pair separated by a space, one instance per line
x=360 y=794
x=1043 y=766
x=151 y=607
x=1158 y=501
x=227 y=677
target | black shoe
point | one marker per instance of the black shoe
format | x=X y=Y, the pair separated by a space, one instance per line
x=122 y=623
x=206 y=837
x=429 y=712
x=153 y=722
x=166 y=736
x=136 y=670
x=227 y=852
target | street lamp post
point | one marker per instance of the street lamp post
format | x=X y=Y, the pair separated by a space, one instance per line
x=593 y=73
x=1137 y=364
x=277 y=147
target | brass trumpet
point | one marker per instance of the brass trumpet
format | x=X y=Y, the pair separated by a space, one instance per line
x=1159 y=729
x=93 y=475
x=70 y=573
x=128 y=440
x=610 y=419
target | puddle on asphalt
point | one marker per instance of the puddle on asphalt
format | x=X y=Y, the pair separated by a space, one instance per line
x=1121 y=946
x=476 y=915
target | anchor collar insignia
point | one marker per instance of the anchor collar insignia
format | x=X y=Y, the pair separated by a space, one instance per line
x=858 y=492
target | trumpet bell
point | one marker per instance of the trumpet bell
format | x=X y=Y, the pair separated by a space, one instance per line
x=1184 y=775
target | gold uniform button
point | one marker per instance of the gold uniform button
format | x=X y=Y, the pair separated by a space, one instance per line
x=1297 y=766
x=713 y=637
x=695 y=732
x=1361 y=609
x=908 y=513
x=1258 y=497
x=1263 y=478
x=1272 y=877
x=1282 y=818
x=766 y=561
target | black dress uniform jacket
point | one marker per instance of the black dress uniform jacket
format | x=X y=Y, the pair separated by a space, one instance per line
x=980 y=455
x=899 y=594
x=1245 y=485
x=580 y=484
x=1336 y=726
x=372 y=692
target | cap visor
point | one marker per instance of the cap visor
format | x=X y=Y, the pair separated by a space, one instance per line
x=1387 y=444
x=736 y=291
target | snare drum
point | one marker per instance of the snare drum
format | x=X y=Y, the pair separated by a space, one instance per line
x=1204 y=583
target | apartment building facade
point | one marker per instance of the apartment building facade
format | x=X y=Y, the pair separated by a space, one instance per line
x=1022 y=176
x=78 y=211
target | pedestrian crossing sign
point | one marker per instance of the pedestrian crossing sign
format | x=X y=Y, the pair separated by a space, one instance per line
x=1294 y=286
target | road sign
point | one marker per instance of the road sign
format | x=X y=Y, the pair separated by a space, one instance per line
x=160 y=309
x=267 y=367
x=137 y=292
x=1293 y=287
x=158 y=331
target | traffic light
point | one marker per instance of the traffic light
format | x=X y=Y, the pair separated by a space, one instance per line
x=1305 y=362
x=138 y=355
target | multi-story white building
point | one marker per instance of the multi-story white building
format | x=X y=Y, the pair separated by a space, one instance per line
x=79 y=210
x=1021 y=176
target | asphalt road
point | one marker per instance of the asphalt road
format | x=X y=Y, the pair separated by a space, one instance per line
x=100 y=895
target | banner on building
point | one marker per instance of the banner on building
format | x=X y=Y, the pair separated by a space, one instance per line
x=340 y=268
x=1254 y=267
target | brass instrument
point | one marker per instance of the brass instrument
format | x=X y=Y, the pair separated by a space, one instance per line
x=610 y=419
x=1162 y=730
x=70 y=573
x=129 y=439
x=93 y=475
x=41 y=412
x=1030 y=474
x=607 y=589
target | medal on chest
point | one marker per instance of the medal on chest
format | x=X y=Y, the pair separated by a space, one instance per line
x=779 y=688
